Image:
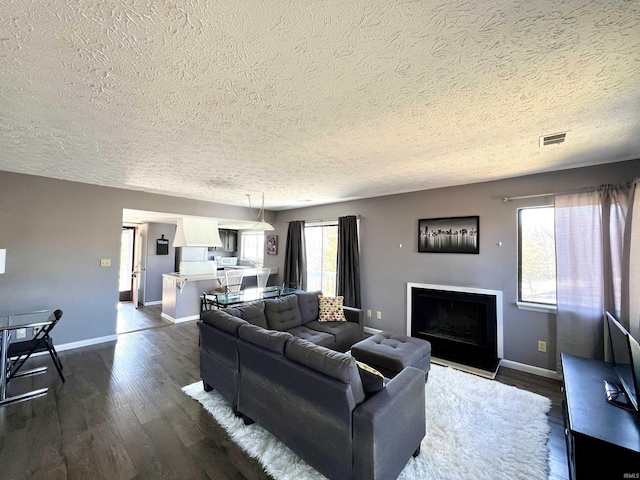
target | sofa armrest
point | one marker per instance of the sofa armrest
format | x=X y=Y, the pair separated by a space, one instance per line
x=389 y=426
x=355 y=315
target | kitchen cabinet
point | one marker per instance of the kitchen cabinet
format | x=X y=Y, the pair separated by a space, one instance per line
x=229 y=239
x=232 y=241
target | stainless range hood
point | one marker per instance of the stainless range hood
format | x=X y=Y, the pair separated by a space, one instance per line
x=197 y=232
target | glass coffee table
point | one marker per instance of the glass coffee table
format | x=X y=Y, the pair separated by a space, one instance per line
x=14 y=321
x=248 y=295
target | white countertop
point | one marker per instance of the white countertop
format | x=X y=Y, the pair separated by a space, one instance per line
x=248 y=272
x=191 y=278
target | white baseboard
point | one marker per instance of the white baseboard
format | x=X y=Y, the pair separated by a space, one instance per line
x=523 y=367
x=181 y=319
x=372 y=330
x=157 y=302
x=465 y=368
x=85 y=343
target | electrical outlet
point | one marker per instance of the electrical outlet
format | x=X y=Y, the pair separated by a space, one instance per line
x=21 y=333
x=379 y=315
x=368 y=313
x=105 y=262
x=542 y=346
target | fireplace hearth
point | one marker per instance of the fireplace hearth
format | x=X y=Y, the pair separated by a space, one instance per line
x=464 y=325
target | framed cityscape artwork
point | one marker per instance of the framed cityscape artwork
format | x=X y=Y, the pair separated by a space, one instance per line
x=449 y=235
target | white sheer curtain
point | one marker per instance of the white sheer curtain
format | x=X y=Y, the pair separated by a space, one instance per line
x=634 y=264
x=597 y=266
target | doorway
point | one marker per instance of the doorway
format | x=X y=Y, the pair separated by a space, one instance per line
x=133 y=261
x=133 y=315
x=127 y=249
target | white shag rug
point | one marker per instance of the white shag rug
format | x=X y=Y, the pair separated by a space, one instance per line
x=476 y=428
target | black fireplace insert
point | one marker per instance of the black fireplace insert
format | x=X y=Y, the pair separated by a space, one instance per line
x=461 y=326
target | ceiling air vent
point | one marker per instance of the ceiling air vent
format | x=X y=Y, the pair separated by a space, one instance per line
x=553 y=139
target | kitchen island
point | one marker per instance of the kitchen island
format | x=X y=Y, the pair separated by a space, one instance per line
x=181 y=293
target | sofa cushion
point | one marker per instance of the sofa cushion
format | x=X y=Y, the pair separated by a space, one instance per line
x=308 y=304
x=339 y=330
x=282 y=313
x=313 y=336
x=328 y=362
x=253 y=313
x=269 y=339
x=330 y=309
x=223 y=321
x=231 y=311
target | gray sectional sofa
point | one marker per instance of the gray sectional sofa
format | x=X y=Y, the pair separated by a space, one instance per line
x=298 y=315
x=311 y=397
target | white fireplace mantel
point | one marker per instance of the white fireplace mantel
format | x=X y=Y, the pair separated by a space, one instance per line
x=449 y=288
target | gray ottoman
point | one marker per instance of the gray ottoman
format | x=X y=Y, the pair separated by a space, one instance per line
x=389 y=353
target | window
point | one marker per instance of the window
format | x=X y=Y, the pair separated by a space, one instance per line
x=252 y=246
x=536 y=256
x=322 y=256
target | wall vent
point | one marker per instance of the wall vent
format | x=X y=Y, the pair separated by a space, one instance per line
x=553 y=139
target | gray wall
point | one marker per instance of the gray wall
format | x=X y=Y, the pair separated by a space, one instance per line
x=56 y=232
x=158 y=264
x=390 y=221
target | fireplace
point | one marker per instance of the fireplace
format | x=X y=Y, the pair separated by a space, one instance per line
x=464 y=325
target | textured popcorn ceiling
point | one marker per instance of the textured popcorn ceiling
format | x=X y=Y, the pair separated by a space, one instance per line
x=317 y=101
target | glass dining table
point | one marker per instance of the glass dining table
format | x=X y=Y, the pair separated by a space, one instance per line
x=14 y=321
x=222 y=300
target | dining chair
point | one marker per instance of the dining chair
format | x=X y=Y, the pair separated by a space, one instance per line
x=233 y=283
x=206 y=304
x=262 y=276
x=19 y=352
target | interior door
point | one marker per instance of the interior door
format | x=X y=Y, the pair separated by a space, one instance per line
x=127 y=248
x=140 y=265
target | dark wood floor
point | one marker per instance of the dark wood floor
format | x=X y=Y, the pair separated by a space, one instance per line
x=121 y=415
x=131 y=319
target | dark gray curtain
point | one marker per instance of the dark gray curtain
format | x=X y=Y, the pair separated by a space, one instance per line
x=295 y=256
x=348 y=275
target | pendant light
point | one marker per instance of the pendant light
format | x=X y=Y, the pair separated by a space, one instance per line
x=261 y=225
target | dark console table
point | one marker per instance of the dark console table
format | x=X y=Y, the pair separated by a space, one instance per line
x=603 y=441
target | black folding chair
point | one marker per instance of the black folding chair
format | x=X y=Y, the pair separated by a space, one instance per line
x=20 y=352
x=206 y=304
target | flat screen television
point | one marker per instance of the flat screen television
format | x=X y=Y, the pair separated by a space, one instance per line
x=626 y=361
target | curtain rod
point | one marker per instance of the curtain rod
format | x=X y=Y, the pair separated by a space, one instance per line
x=327 y=220
x=508 y=199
